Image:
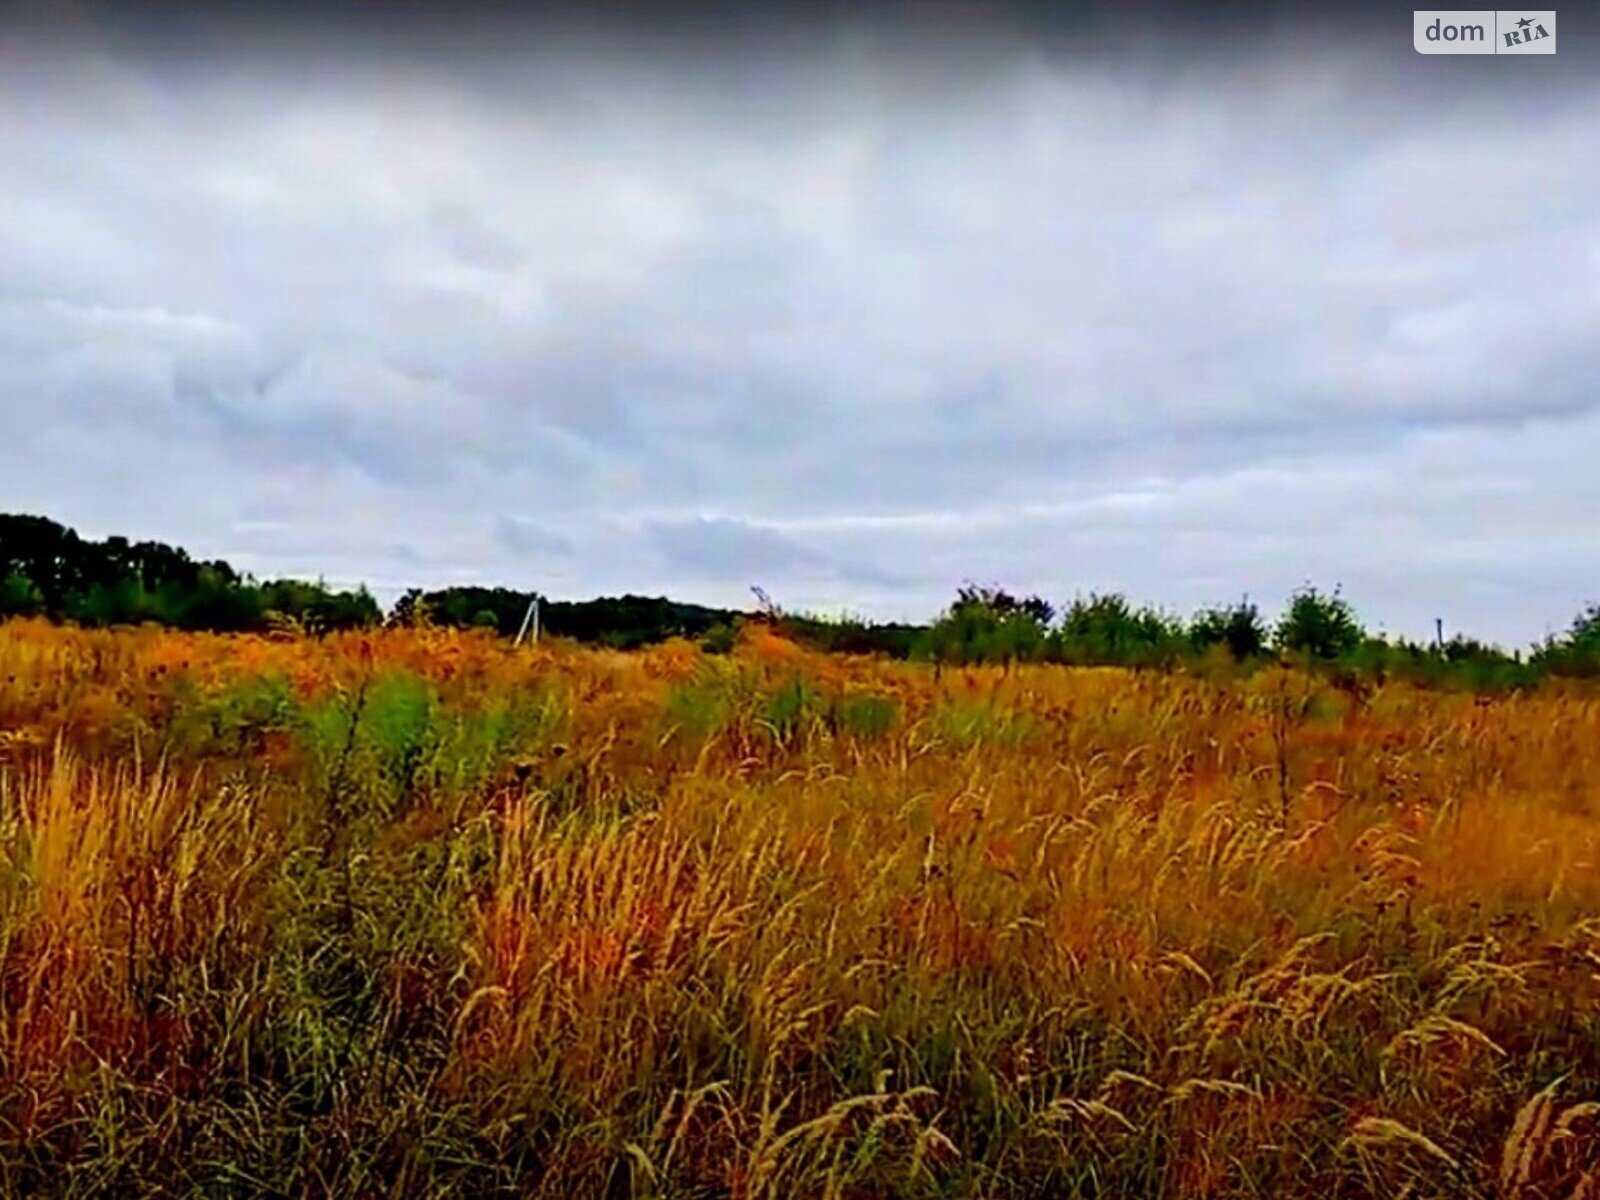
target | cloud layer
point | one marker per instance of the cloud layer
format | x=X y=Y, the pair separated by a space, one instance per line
x=854 y=320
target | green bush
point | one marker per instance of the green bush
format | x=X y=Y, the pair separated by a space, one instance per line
x=988 y=625
x=720 y=638
x=1321 y=625
x=1108 y=631
x=20 y=596
x=852 y=635
x=714 y=697
x=1238 y=627
x=967 y=723
x=1575 y=652
x=1459 y=663
x=865 y=716
x=790 y=707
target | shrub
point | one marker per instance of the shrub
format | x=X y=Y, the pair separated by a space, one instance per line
x=788 y=708
x=317 y=609
x=866 y=716
x=1576 y=652
x=988 y=625
x=1238 y=627
x=968 y=723
x=702 y=705
x=851 y=635
x=20 y=596
x=1322 y=625
x=720 y=638
x=1109 y=631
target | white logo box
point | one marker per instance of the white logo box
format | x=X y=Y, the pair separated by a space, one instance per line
x=1484 y=31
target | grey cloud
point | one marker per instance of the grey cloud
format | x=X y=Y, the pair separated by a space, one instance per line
x=1171 y=323
x=721 y=548
x=524 y=536
x=473 y=242
x=730 y=551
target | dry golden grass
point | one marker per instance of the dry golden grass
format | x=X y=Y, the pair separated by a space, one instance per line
x=414 y=913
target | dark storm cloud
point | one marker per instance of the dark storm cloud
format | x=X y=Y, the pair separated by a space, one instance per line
x=1155 y=298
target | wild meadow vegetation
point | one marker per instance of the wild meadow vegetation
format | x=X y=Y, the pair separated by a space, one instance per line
x=413 y=912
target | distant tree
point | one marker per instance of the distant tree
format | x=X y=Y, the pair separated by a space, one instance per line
x=1238 y=627
x=629 y=621
x=123 y=601
x=1108 y=630
x=410 y=610
x=118 y=582
x=216 y=600
x=318 y=609
x=853 y=635
x=51 y=556
x=1003 y=604
x=620 y=621
x=987 y=624
x=719 y=639
x=1575 y=652
x=1460 y=662
x=20 y=596
x=1322 y=625
x=468 y=607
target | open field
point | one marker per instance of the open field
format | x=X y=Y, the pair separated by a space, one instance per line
x=413 y=913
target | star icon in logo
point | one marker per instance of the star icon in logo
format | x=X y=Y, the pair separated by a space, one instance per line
x=1524 y=23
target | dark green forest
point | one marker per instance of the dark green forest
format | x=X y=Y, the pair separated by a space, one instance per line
x=46 y=569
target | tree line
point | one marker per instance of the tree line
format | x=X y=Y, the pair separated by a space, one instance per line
x=48 y=570
x=988 y=624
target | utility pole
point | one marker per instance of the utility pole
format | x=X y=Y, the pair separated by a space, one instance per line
x=530 y=621
x=1438 y=632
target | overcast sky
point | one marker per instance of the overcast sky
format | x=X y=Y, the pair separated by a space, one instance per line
x=851 y=311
